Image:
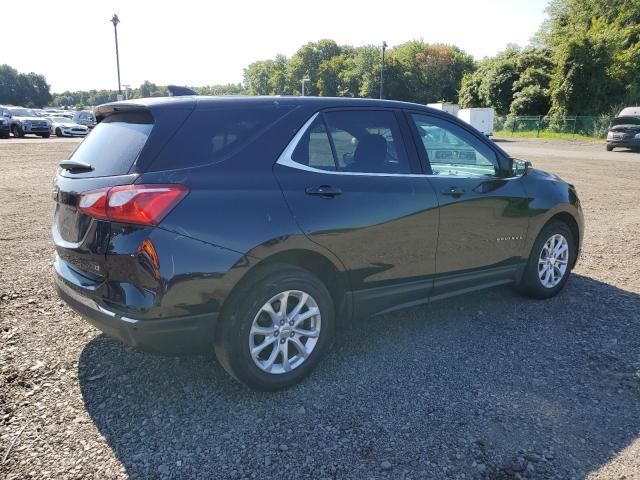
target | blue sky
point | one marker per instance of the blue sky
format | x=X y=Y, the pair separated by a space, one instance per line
x=202 y=43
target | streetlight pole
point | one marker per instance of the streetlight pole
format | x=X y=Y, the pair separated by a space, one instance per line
x=384 y=47
x=304 y=80
x=115 y=20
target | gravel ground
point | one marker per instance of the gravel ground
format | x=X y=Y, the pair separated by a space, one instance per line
x=492 y=385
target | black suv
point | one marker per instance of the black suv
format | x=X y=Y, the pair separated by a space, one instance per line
x=260 y=225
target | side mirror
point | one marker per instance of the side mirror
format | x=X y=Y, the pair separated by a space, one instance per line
x=521 y=167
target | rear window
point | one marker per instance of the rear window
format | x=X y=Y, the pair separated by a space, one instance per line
x=114 y=144
x=214 y=135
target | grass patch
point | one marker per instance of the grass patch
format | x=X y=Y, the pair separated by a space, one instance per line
x=533 y=134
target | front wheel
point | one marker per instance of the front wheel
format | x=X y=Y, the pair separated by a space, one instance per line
x=609 y=148
x=275 y=329
x=550 y=262
x=58 y=132
x=17 y=132
x=45 y=135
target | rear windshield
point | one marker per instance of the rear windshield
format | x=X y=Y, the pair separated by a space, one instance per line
x=114 y=144
x=214 y=135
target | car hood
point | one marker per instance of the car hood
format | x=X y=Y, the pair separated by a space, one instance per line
x=69 y=125
x=626 y=123
x=546 y=175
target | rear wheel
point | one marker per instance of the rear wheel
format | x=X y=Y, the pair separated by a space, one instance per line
x=58 y=132
x=275 y=329
x=550 y=261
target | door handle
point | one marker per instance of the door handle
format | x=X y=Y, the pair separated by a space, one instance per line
x=453 y=192
x=324 y=191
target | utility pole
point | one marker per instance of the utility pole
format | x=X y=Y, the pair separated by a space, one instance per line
x=115 y=20
x=304 y=80
x=384 y=47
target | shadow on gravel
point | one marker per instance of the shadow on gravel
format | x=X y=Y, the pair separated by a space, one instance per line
x=492 y=385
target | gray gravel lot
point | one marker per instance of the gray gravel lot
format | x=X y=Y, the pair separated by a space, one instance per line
x=491 y=385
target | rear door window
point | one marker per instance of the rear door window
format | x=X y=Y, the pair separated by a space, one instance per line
x=359 y=141
x=114 y=144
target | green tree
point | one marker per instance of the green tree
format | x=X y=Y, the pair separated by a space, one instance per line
x=305 y=63
x=596 y=52
x=258 y=77
x=515 y=81
x=422 y=73
x=30 y=89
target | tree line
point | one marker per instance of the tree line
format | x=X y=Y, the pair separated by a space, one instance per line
x=584 y=60
x=28 y=89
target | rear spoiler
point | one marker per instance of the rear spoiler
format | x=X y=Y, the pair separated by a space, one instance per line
x=138 y=113
x=176 y=91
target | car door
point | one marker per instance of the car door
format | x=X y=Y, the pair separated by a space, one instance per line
x=354 y=188
x=483 y=210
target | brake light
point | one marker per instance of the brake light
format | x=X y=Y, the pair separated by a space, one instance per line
x=138 y=204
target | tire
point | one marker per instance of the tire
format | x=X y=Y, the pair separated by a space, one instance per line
x=533 y=278
x=244 y=311
x=58 y=132
x=45 y=135
x=17 y=131
x=609 y=148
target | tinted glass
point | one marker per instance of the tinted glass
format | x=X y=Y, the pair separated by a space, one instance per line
x=367 y=141
x=314 y=148
x=453 y=151
x=114 y=144
x=212 y=136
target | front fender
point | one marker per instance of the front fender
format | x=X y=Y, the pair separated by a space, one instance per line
x=550 y=197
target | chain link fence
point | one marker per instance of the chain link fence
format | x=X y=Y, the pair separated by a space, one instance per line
x=535 y=125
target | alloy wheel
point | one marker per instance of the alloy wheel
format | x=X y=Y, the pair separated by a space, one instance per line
x=285 y=331
x=553 y=261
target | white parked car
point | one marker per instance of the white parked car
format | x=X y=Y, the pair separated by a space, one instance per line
x=65 y=127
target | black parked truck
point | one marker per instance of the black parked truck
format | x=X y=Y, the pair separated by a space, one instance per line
x=260 y=225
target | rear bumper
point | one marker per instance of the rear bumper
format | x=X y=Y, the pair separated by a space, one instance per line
x=177 y=335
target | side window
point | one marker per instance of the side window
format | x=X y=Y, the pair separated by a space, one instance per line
x=314 y=148
x=452 y=151
x=367 y=141
x=215 y=134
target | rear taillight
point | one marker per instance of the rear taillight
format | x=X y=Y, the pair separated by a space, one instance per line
x=139 y=204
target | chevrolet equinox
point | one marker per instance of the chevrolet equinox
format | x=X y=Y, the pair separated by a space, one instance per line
x=259 y=225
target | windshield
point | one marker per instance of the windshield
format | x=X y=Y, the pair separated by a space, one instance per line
x=625 y=121
x=4 y=112
x=23 y=112
x=59 y=119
